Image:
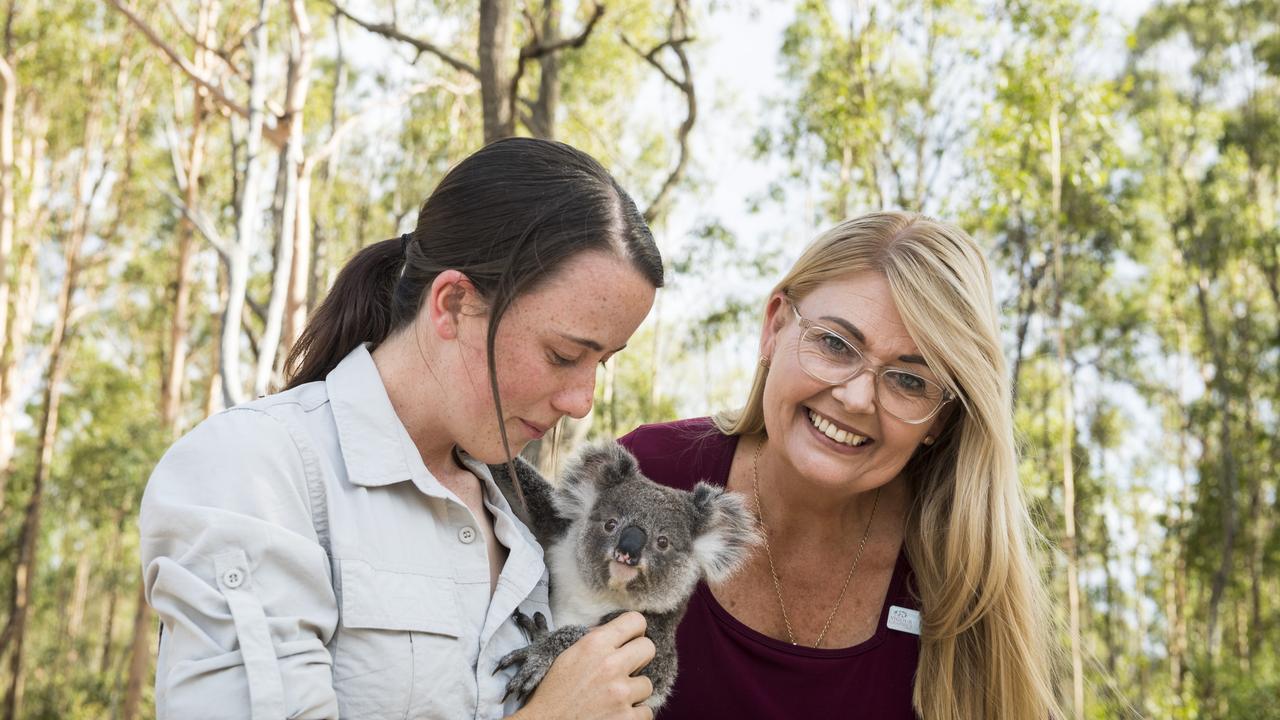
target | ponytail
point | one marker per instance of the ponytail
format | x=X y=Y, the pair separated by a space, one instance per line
x=508 y=217
x=358 y=309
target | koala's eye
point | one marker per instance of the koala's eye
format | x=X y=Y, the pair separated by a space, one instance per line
x=663 y=542
x=610 y=524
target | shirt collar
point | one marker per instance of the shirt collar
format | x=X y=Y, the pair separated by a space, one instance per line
x=504 y=514
x=376 y=448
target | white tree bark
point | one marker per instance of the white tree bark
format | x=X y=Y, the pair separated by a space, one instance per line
x=248 y=220
x=292 y=241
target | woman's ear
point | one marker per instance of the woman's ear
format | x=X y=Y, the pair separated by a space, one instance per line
x=776 y=313
x=451 y=297
x=939 y=422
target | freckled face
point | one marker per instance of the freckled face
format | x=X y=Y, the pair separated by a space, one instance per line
x=548 y=346
x=792 y=397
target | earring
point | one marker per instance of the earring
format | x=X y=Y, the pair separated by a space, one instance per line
x=928 y=439
x=764 y=361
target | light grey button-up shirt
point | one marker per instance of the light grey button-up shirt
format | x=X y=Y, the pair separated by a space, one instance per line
x=305 y=564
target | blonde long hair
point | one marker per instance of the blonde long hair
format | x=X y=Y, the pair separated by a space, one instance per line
x=985 y=650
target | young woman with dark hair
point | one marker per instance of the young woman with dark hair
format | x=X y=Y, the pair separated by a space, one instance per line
x=340 y=548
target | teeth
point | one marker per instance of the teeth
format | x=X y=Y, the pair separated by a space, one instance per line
x=826 y=427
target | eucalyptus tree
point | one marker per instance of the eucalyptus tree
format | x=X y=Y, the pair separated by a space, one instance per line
x=1205 y=98
x=99 y=164
x=886 y=93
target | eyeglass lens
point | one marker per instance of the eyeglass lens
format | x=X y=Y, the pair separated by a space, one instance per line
x=828 y=357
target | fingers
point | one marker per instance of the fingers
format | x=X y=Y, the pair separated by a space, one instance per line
x=639 y=689
x=636 y=654
x=630 y=693
x=621 y=629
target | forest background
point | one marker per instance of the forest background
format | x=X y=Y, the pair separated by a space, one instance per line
x=181 y=179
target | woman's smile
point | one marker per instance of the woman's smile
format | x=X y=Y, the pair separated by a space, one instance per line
x=837 y=436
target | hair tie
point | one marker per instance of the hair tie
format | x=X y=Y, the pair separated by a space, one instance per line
x=404 y=244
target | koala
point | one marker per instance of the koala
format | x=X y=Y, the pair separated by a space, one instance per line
x=616 y=541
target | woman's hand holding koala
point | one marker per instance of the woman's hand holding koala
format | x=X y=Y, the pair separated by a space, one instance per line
x=594 y=676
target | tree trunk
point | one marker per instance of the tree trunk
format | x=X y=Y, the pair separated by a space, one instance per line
x=213 y=391
x=320 y=239
x=8 y=103
x=139 y=657
x=180 y=324
x=1066 y=439
x=24 y=572
x=1257 y=532
x=1140 y=621
x=300 y=273
x=248 y=221
x=108 y=618
x=494 y=51
x=179 y=332
x=543 y=115
x=293 y=250
x=1228 y=480
x=1110 y=620
x=79 y=598
x=8 y=99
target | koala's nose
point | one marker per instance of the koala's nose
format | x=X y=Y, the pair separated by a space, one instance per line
x=630 y=544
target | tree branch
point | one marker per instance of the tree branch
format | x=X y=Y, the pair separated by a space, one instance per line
x=201 y=222
x=651 y=56
x=175 y=149
x=422 y=46
x=222 y=54
x=675 y=42
x=274 y=134
x=322 y=153
x=536 y=49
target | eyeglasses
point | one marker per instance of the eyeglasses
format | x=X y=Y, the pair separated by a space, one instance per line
x=827 y=357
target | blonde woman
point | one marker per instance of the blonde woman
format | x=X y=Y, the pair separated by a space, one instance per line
x=876 y=446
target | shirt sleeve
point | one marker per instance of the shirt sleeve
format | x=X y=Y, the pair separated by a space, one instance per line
x=234 y=569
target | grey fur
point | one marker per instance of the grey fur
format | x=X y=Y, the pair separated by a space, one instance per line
x=709 y=533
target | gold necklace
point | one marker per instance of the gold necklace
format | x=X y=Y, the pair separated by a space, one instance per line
x=777 y=586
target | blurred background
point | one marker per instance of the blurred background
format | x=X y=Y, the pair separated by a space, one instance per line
x=181 y=179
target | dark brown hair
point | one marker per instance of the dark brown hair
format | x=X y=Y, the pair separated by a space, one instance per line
x=507 y=217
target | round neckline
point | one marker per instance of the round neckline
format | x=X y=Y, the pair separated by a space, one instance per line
x=746 y=631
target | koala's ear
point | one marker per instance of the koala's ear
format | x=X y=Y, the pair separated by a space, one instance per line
x=725 y=531
x=596 y=467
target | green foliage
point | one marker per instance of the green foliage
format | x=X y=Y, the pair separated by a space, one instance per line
x=879 y=102
x=1165 y=210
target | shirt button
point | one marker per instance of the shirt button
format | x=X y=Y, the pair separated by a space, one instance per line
x=233 y=578
x=467 y=534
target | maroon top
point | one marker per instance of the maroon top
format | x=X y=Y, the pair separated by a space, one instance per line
x=728 y=670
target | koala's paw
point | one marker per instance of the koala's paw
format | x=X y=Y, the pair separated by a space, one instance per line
x=534 y=661
x=534 y=628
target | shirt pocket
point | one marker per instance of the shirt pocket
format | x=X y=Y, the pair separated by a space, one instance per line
x=386 y=611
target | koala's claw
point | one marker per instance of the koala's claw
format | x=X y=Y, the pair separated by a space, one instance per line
x=534 y=660
x=533 y=628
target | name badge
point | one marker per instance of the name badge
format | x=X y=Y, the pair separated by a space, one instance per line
x=904 y=620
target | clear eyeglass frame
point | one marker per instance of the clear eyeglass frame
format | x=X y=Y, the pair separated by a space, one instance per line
x=860 y=365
